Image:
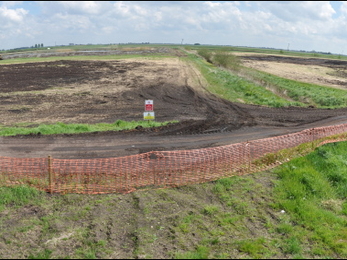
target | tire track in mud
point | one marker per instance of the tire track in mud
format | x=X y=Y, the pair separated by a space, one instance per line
x=117 y=144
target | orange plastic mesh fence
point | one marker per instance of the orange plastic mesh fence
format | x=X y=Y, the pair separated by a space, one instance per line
x=158 y=168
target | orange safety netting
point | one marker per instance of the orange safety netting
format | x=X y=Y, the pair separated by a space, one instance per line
x=155 y=169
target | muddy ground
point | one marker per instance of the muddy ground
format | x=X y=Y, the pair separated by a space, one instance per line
x=95 y=91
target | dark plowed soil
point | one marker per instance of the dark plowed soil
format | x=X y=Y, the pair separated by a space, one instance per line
x=295 y=60
x=105 y=91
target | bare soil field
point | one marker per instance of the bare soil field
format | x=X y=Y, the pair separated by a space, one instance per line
x=94 y=91
x=319 y=71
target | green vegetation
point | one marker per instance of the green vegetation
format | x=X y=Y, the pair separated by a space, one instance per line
x=226 y=60
x=230 y=80
x=304 y=93
x=61 y=128
x=267 y=51
x=312 y=191
x=232 y=87
x=206 y=54
x=18 y=196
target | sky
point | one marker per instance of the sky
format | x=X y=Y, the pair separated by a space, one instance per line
x=295 y=25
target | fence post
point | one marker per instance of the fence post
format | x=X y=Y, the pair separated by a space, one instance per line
x=50 y=175
x=249 y=157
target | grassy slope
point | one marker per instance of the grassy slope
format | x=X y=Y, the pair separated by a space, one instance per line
x=297 y=210
x=232 y=81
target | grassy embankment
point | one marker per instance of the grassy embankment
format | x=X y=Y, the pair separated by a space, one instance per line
x=255 y=50
x=297 y=210
x=229 y=79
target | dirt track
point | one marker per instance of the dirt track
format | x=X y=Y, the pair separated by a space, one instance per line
x=104 y=91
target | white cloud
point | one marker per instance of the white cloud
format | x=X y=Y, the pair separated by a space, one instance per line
x=82 y=7
x=12 y=15
x=250 y=23
x=293 y=11
x=343 y=7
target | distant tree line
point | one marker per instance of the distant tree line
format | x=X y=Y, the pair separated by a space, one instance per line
x=37 y=45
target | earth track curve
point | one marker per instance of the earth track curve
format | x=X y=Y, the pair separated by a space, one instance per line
x=114 y=144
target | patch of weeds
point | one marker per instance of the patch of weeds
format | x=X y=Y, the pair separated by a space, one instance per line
x=147 y=210
x=212 y=241
x=216 y=232
x=292 y=246
x=210 y=210
x=45 y=254
x=319 y=251
x=18 y=196
x=226 y=188
x=201 y=252
x=146 y=237
x=186 y=222
x=240 y=206
x=254 y=247
x=284 y=228
x=228 y=219
x=80 y=214
x=25 y=228
x=86 y=253
x=344 y=208
x=91 y=249
x=46 y=224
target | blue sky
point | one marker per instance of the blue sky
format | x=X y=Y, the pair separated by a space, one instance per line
x=299 y=25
